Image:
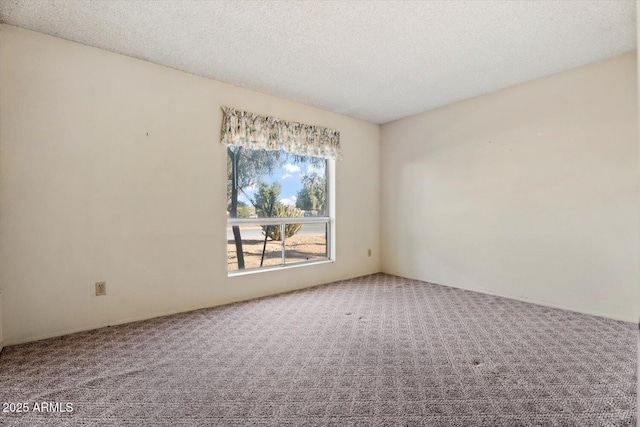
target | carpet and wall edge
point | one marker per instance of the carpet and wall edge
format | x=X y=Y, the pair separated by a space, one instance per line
x=100 y=325
x=525 y=299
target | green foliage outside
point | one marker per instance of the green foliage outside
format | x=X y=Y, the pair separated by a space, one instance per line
x=266 y=199
x=274 y=232
x=313 y=195
x=267 y=206
x=246 y=168
x=243 y=210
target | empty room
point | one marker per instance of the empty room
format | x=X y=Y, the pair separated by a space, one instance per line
x=319 y=213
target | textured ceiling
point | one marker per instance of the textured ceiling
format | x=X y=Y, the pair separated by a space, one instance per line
x=374 y=60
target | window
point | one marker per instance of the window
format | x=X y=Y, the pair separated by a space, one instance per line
x=277 y=209
x=279 y=188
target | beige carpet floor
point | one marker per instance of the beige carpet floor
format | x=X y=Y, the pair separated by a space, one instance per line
x=373 y=351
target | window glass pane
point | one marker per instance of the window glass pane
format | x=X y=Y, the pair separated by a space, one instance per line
x=276 y=184
x=253 y=245
x=309 y=243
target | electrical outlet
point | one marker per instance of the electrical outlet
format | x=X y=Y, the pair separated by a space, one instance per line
x=101 y=288
x=368 y=252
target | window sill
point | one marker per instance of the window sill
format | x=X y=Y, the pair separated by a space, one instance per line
x=277 y=268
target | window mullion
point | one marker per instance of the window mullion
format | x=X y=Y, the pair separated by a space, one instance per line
x=277 y=221
x=282 y=233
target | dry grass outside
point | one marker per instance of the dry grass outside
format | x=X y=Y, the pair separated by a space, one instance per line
x=297 y=248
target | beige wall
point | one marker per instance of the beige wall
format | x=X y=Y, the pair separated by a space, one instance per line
x=86 y=195
x=530 y=192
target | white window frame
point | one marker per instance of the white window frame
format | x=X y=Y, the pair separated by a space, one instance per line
x=328 y=220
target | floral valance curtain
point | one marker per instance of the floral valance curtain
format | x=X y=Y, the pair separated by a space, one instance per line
x=250 y=130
